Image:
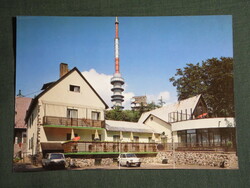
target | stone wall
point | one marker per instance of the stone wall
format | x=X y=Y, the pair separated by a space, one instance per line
x=195 y=158
x=80 y=162
x=214 y=159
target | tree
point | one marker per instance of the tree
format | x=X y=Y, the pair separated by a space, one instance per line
x=129 y=115
x=213 y=79
x=122 y=115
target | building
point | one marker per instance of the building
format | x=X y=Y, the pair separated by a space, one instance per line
x=186 y=123
x=69 y=109
x=138 y=101
x=21 y=106
x=117 y=81
x=66 y=108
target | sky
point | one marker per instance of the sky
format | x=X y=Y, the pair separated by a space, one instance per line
x=151 y=49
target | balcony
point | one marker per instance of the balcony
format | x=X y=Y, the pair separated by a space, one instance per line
x=76 y=122
x=88 y=147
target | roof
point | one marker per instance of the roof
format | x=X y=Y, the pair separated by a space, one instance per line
x=162 y=113
x=46 y=85
x=21 y=106
x=126 y=126
x=50 y=85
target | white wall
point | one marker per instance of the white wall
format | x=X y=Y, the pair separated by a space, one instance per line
x=204 y=123
x=143 y=137
x=56 y=101
x=32 y=132
x=159 y=125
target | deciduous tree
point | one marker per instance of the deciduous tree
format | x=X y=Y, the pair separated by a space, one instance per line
x=213 y=79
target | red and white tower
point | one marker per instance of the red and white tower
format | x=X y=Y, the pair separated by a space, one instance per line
x=117 y=81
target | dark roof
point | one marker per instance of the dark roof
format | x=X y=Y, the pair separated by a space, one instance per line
x=21 y=106
x=46 y=85
x=50 y=86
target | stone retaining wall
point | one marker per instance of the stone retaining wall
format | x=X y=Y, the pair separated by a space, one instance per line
x=196 y=158
x=80 y=162
x=213 y=159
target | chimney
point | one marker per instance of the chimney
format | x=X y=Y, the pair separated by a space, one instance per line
x=63 y=69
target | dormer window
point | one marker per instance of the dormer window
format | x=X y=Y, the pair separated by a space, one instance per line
x=74 y=88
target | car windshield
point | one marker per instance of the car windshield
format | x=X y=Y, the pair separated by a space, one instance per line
x=56 y=156
x=131 y=155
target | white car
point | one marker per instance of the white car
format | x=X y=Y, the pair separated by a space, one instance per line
x=54 y=160
x=128 y=159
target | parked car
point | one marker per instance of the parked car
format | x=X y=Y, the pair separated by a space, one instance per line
x=128 y=159
x=54 y=160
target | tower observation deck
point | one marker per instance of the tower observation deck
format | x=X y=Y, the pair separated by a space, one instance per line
x=117 y=81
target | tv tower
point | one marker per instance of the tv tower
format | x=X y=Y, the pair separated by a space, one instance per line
x=117 y=81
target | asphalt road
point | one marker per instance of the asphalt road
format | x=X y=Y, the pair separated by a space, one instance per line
x=19 y=167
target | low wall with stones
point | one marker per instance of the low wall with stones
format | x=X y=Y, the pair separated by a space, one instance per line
x=213 y=159
x=195 y=158
x=80 y=162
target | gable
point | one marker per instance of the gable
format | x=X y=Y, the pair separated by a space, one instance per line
x=53 y=93
x=73 y=89
x=169 y=112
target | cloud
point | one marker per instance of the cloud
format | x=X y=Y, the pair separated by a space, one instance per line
x=101 y=83
x=164 y=95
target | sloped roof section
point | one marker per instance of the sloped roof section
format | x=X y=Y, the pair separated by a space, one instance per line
x=163 y=112
x=21 y=106
x=50 y=85
x=125 y=126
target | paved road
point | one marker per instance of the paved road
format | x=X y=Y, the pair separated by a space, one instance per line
x=19 y=167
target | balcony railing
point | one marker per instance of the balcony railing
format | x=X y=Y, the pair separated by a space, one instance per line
x=88 y=147
x=102 y=147
x=79 y=122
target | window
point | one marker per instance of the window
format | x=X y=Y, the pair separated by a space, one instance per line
x=191 y=137
x=95 y=115
x=182 y=137
x=72 y=113
x=150 y=140
x=68 y=137
x=116 y=138
x=136 y=138
x=74 y=88
x=31 y=142
x=93 y=137
x=32 y=119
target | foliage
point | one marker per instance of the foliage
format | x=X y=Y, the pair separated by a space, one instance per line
x=16 y=159
x=213 y=79
x=129 y=115
x=122 y=115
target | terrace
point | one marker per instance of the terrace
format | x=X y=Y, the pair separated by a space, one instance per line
x=98 y=147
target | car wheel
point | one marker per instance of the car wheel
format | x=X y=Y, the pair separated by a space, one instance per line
x=138 y=165
x=128 y=165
